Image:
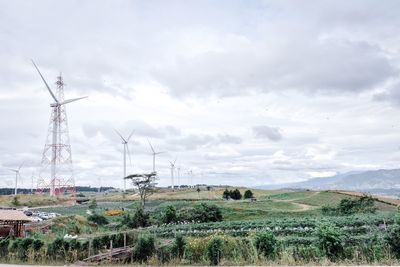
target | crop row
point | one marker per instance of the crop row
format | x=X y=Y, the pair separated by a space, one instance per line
x=354 y=225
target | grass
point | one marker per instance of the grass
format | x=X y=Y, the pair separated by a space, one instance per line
x=32 y=200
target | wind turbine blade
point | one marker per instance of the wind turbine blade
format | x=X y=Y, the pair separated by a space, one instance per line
x=123 y=139
x=129 y=137
x=13 y=170
x=152 y=149
x=175 y=160
x=161 y=152
x=20 y=166
x=72 y=100
x=48 y=87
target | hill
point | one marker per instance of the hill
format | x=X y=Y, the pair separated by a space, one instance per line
x=379 y=181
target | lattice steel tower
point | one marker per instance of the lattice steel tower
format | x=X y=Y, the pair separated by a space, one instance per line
x=56 y=174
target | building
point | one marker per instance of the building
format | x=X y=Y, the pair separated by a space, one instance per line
x=12 y=223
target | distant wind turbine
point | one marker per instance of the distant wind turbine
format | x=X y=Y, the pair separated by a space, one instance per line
x=126 y=150
x=154 y=153
x=172 y=173
x=17 y=175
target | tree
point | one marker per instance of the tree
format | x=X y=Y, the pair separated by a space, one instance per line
x=206 y=213
x=248 y=194
x=145 y=184
x=227 y=194
x=235 y=194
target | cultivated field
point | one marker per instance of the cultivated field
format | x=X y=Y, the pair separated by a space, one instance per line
x=188 y=227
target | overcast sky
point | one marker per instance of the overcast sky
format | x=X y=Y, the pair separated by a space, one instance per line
x=242 y=92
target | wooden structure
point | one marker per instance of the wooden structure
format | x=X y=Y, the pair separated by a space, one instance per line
x=12 y=223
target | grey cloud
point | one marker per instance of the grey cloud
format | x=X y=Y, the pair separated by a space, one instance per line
x=267 y=132
x=228 y=139
x=329 y=66
x=392 y=94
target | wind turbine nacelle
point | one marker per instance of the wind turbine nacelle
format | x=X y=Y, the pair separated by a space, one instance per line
x=53 y=105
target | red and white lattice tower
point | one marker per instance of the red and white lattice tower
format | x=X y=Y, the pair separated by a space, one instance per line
x=56 y=174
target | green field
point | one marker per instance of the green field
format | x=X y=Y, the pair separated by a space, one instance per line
x=292 y=217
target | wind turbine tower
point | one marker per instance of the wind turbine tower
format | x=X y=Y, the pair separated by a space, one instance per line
x=154 y=153
x=17 y=175
x=172 y=174
x=56 y=173
x=126 y=150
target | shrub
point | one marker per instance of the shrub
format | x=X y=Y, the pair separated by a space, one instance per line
x=365 y=204
x=393 y=239
x=266 y=244
x=178 y=247
x=144 y=248
x=4 y=247
x=98 y=219
x=206 y=213
x=93 y=204
x=248 y=194
x=15 y=201
x=139 y=219
x=214 y=250
x=330 y=240
x=169 y=215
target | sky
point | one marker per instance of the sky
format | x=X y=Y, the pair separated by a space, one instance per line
x=240 y=92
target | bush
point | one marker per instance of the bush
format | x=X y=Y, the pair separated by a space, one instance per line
x=364 y=204
x=330 y=240
x=139 y=219
x=15 y=201
x=98 y=219
x=214 y=250
x=179 y=246
x=393 y=239
x=93 y=204
x=206 y=213
x=144 y=248
x=4 y=247
x=266 y=244
x=169 y=215
x=248 y=194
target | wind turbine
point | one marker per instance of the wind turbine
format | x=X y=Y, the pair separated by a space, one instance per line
x=154 y=153
x=17 y=175
x=179 y=177
x=126 y=149
x=172 y=173
x=58 y=129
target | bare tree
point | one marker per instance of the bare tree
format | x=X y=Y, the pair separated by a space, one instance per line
x=145 y=183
